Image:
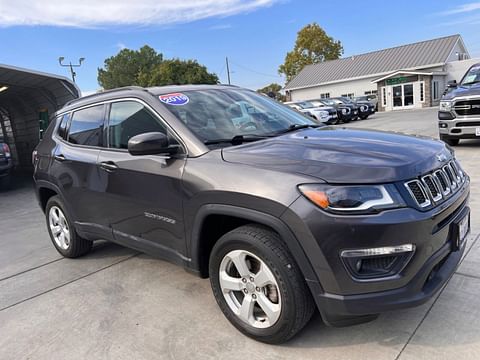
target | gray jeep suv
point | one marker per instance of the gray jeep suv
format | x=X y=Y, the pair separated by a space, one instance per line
x=284 y=215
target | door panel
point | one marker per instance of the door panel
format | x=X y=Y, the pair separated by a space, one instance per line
x=142 y=195
x=75 y=168
x=143 y=199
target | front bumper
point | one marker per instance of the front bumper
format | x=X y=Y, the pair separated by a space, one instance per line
x=338 y=310
x=344 y=300
x=458 y=127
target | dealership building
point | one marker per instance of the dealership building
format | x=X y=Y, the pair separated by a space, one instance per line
x=403 y=77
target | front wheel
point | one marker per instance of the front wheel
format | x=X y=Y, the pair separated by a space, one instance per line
x=449 y=141
x=258 y=286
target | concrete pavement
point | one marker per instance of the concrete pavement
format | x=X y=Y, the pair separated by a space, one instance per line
x=118 y=304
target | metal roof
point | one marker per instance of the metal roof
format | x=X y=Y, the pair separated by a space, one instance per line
x=410 y=56
x=36 y=85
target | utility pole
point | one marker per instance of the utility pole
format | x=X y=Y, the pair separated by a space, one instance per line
x=228 y=71
x=70 y=65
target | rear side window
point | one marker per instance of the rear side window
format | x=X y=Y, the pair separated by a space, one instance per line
x=62 y=128
x=87 y=126
x=130 y=118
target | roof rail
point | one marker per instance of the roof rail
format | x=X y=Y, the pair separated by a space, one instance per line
x=106 y=92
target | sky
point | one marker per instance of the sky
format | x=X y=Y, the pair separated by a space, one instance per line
x=254 y=34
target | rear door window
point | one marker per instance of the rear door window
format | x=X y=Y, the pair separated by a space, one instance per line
x=87 y=126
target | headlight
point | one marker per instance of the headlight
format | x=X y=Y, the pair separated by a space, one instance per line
x=445 y=106
x=344 y=111
x=363 y=199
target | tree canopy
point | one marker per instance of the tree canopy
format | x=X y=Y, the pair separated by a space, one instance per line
x=312 y=46
x=272 y=90
x=146 y=67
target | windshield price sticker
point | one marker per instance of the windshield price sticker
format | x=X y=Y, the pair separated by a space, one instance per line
x=174 y=99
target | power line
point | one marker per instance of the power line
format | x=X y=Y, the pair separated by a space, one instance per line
x=255 y=71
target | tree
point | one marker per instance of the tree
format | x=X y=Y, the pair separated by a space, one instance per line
x=146 y=67
x=273 y=90
x=129 y=67
x=312 y=46
x=178 y=72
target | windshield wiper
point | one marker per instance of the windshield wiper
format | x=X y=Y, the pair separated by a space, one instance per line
x=236 y=140
x=296 y=127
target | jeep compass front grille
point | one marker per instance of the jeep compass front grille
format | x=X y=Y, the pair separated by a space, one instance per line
x=437 y=186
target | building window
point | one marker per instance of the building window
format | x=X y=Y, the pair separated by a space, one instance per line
x=422 y=91
x=435 y=90
x=384 y=97
x=349 y=95
x=324 y=96
x=370 y=92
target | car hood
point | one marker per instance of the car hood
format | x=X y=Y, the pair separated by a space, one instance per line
x=468 y=90
x=322 y=108
x=340 y=155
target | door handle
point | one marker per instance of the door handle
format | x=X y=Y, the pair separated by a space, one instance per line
x=60 y=157
x=108 y=166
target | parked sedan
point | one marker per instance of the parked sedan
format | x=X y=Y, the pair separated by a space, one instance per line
x=323 y=114
x=345 y=113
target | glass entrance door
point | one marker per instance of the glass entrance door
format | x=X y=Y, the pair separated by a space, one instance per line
x=403 y=96
x=397 y=96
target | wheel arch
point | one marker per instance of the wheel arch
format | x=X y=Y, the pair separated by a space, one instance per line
x=46 y=190
x=200 y=247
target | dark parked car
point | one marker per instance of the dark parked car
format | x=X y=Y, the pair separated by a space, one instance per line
x=6 y=164
x=283 y=214
x=345 y=113
x=459 y=112
x=369 y=99
x=363 y=110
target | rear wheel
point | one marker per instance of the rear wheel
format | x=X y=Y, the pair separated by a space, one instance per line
x=61 y=230
x=449 y=141
x=258 y=286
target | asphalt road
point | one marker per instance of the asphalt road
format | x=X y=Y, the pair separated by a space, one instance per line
x=118 y=304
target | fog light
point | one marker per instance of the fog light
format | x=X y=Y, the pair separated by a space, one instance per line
x=388 y=250
x=443 y=125
x=377 y=263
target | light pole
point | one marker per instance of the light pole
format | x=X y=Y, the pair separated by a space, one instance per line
x=70 y=65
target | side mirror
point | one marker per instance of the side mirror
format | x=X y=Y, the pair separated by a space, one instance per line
x=452 y=84
x=151 y=143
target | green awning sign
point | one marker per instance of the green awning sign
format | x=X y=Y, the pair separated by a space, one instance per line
x=397 y=80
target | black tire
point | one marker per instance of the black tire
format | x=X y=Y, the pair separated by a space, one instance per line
x=297 y=304
x=77 y=245
x=449 y=141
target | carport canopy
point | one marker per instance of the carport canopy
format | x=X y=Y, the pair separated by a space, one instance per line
x=26 y=97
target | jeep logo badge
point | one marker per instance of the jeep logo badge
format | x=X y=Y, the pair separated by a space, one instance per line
x=441 y=157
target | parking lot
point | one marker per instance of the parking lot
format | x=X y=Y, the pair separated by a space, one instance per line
x=118 y=304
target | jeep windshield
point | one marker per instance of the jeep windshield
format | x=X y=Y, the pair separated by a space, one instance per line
x=233 y=116
x=472 y=76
